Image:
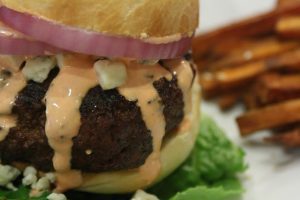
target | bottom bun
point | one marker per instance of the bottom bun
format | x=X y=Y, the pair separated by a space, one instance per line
x=175 y=151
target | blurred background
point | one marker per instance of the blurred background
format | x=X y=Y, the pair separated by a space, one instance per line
x=215 y=13
x=251 y=86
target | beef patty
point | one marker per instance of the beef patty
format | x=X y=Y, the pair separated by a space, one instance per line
x=112 y=136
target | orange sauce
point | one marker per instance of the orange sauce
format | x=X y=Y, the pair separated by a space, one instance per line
x=6 y=122
x=11 y=63
x=139 y=87
x=10 y=90
x=63 y=101
x=184 y=72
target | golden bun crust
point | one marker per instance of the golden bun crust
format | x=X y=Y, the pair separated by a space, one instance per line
x=171 y=158
x=131 y=18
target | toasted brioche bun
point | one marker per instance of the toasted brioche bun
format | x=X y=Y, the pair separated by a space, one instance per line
x=131 y=18
x=171 y=158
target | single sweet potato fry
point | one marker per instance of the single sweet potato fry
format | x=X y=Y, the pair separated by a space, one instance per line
x=290 y=139
x=274 y=88
x=289 y=26
x=234 y=77
x=269 y=117
x=254 y=51
x=289 y=61
x=286 y=2
x=228 y=100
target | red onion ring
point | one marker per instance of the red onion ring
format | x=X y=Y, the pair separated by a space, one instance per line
x=87 y=42
x=21 y=46
x=14 y=43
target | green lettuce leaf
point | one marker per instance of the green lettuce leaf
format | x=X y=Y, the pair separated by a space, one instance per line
x=21 y=194
x=208 y=193
x=215 y=156
x=210 y=169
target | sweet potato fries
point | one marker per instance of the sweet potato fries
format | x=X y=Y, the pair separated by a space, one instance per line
x=256 y=62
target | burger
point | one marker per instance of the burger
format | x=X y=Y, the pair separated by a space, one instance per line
x=98 y=92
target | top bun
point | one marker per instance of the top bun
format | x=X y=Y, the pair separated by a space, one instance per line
x=131 y=18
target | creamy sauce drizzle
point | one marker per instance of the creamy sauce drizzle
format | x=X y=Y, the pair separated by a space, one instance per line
x=10 y=86
x=11 y=63
x=8 y=93
x=139 y=87
x=184 y=72
x=63 y=101
x=6 y=122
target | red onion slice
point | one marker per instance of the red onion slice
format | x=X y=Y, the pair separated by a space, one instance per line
x=14 y=43
x=87 y=42
x=20 y=46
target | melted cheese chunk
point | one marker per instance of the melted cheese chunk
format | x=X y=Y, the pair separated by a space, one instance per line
x=142 y=195
x=111 y=74
x=38 y=68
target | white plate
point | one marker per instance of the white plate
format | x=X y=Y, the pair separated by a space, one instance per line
x=273 y=174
